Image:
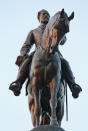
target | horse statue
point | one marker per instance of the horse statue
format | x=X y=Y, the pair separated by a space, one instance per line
x=46 y=86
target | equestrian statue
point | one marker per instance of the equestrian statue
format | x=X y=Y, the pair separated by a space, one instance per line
x=46 y=71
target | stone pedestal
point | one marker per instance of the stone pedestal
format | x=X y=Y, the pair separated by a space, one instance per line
x=48 y=128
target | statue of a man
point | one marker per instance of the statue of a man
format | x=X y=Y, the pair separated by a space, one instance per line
x=24 y=61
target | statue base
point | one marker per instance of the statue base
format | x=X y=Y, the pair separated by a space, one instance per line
x=48 y=128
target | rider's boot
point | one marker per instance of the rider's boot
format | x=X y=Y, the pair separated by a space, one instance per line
x=70 y=79
x=15 y=87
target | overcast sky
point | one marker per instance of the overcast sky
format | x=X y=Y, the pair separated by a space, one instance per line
x=17 y=18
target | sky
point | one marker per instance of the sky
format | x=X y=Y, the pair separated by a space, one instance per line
x=17 y=18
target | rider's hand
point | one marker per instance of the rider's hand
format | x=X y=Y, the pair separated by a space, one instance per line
x=76 y=89
x=19 y=60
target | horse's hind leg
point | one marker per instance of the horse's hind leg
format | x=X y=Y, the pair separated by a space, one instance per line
x=54 y=85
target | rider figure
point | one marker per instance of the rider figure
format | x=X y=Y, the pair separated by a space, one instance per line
x=24 y=61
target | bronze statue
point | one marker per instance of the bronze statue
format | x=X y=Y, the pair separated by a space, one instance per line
x=46 y=38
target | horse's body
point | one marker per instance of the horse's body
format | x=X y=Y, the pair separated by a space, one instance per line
x=46 y=69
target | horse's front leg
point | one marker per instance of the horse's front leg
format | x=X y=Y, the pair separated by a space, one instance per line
x=36 y=101
x=54 y=86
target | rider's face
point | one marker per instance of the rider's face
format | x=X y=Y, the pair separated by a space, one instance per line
x=44 y=17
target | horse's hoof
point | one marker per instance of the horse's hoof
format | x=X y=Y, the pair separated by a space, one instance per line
x=54 y=123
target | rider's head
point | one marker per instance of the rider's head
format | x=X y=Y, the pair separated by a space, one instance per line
x=43 y=16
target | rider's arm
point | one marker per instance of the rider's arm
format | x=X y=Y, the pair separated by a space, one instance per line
x=27 y=44
x=25 y=49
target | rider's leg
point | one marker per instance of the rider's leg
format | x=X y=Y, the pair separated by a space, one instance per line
x=23 y=72
x=70 y=79
x=67 y=73
x=22 y=76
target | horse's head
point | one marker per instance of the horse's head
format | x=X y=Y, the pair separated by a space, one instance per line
x=59 y=28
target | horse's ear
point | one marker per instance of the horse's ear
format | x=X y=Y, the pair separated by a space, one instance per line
x=62 y=12
x=71 y=16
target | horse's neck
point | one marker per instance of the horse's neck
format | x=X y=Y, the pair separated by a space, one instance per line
x=47 y=38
